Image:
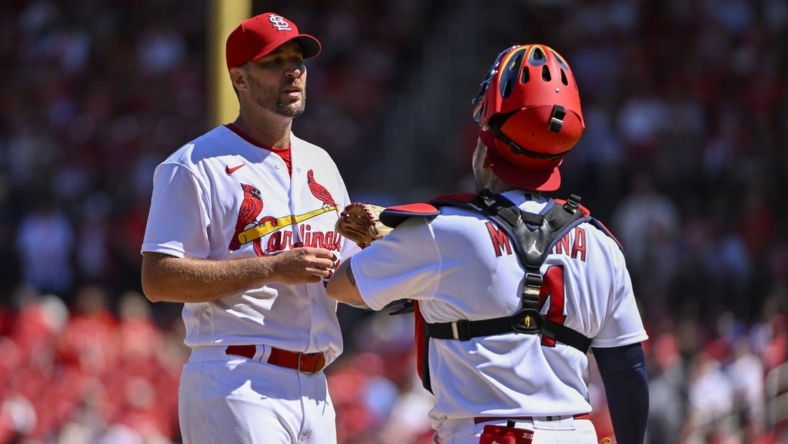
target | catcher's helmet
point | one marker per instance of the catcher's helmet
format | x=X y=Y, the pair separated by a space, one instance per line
x=528 y=109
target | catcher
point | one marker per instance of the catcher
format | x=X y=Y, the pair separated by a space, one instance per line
x=511 y=289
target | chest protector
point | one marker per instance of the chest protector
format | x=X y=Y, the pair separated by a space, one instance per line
x=533 y=236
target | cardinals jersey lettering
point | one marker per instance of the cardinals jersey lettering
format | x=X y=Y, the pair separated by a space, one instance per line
x=588 y=289
x=227 y=198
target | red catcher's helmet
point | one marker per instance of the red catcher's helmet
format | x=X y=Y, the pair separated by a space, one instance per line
x=529 y=113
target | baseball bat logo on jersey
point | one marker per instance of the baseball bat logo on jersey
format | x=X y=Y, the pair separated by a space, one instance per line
x=500 y=241
x=250 y=229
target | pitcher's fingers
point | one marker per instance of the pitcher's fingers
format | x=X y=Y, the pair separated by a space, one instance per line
x=323 y=263
x=325 y=253
x=319 y=272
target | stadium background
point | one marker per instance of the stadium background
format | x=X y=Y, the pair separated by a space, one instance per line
x=684 y=157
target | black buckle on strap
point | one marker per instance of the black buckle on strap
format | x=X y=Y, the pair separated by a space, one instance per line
x=528 y=321
x=572 y=204
x=532 y=286
x=461 y=330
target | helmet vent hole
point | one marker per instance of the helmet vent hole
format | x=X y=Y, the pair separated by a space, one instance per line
x=510 y=73
x=516 y=62
x=546 y=74
x=507 y=89
x=537 y=57
x=560 y=60
x=563 y=78
x=525 y=76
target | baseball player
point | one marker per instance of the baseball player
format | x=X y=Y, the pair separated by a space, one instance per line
x=241 y=230
x=513 y=287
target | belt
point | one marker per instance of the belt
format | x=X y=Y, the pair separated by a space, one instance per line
x=480 y=419
x=303 y=362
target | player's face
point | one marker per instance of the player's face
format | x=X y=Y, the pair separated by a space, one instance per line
x=277 y=82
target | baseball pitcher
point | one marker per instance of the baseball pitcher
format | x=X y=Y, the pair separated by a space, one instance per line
x=241 y=231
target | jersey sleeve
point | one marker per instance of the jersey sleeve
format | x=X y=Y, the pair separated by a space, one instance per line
x=623 y=324
x=178 y=218
x=403 y=265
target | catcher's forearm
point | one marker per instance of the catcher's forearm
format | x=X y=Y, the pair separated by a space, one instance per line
x=342 y=286
x=626 y=386
x=360 y=305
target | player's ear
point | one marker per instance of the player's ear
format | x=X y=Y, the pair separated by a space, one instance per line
x=238 y=77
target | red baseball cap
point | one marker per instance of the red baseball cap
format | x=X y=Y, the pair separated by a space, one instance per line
x=260 y=35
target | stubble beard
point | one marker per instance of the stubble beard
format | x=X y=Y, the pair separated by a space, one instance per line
x=271 y=101
x=291 y=110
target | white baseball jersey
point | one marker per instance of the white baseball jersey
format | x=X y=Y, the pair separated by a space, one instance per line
x=459 y=265
x=222 y=197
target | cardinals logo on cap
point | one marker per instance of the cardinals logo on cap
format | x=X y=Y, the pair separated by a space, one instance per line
x=279 y=22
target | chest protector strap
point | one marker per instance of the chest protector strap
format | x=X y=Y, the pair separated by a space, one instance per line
x=534 y=235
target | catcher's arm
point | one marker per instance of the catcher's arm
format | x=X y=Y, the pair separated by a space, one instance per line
x=360 y=222
x=342 y=286
x=626 y=386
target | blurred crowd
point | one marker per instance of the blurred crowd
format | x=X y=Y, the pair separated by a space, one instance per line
x=685 y=158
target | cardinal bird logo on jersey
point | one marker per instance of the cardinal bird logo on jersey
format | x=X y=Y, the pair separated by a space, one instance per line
x=251 y=207
x=319 y=191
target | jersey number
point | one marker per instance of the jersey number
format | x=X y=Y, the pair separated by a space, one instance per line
x=553 y=288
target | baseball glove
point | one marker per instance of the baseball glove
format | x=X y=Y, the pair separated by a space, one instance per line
x=360 y=222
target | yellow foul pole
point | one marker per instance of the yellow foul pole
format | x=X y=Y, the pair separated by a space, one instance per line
x=223 y=17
